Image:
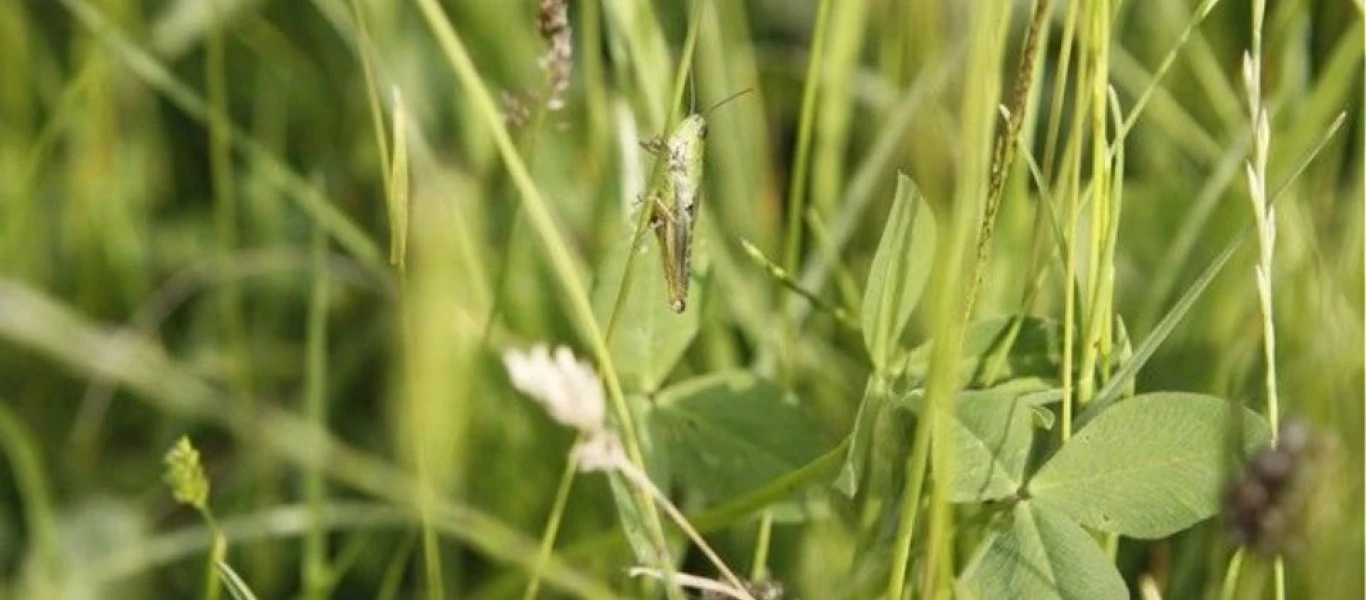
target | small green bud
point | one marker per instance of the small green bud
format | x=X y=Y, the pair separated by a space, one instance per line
x=185 y=475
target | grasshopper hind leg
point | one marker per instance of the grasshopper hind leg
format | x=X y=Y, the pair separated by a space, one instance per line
x=654 y=223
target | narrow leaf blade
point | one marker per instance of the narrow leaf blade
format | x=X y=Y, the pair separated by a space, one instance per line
x=231 y=580
x=860 y=441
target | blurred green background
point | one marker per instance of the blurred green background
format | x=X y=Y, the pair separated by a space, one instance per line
x=160 y=267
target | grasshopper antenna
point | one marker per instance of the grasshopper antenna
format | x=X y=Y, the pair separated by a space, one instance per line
x=692 y=89
x=726 y=100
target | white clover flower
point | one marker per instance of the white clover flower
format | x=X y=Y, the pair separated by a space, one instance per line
x=568 y=389
x=601 y=452
x=572 y=393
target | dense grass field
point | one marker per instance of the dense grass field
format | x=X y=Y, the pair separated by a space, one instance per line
x=378 y=299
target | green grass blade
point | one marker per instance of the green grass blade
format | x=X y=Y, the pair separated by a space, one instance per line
x=1115 y=387
x=309 y=198
x=236 y=586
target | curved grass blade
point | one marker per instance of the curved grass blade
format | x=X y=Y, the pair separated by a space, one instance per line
x=1117 y=384
x=231 y=580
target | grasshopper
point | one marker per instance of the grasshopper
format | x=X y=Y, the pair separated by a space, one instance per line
x=673 y=203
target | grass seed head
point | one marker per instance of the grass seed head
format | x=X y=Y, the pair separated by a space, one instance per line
x=185 y=475
x=1272 y=504
x=558 y=60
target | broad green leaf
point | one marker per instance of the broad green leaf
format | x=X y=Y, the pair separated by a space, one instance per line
x=1041 y=555
x=993 y=432
x=898 y=273
x=728 y=434
x=992 y=435
x=1149 y=466
x=1001 y=348
x=738 y=509
x=648 y=339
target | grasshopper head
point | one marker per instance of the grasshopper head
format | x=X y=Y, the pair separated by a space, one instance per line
x=692 y=130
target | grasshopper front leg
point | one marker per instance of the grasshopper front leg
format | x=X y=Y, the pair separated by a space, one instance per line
x=654 y=145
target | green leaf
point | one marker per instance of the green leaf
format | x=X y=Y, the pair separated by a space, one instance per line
x=1124 y=345
x=1040 y=555
x=1001 y=348
x=1119 y=382
x=993 y=432
x=898 y=273
x=633 y=523
x=860 y=440
x=738 y=509
x=992 y=435
x=649 y=339
x=728 y=434
x=1149 y=466
x=231 y=580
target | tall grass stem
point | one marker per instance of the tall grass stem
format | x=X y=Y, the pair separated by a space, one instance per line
x=557 y=250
